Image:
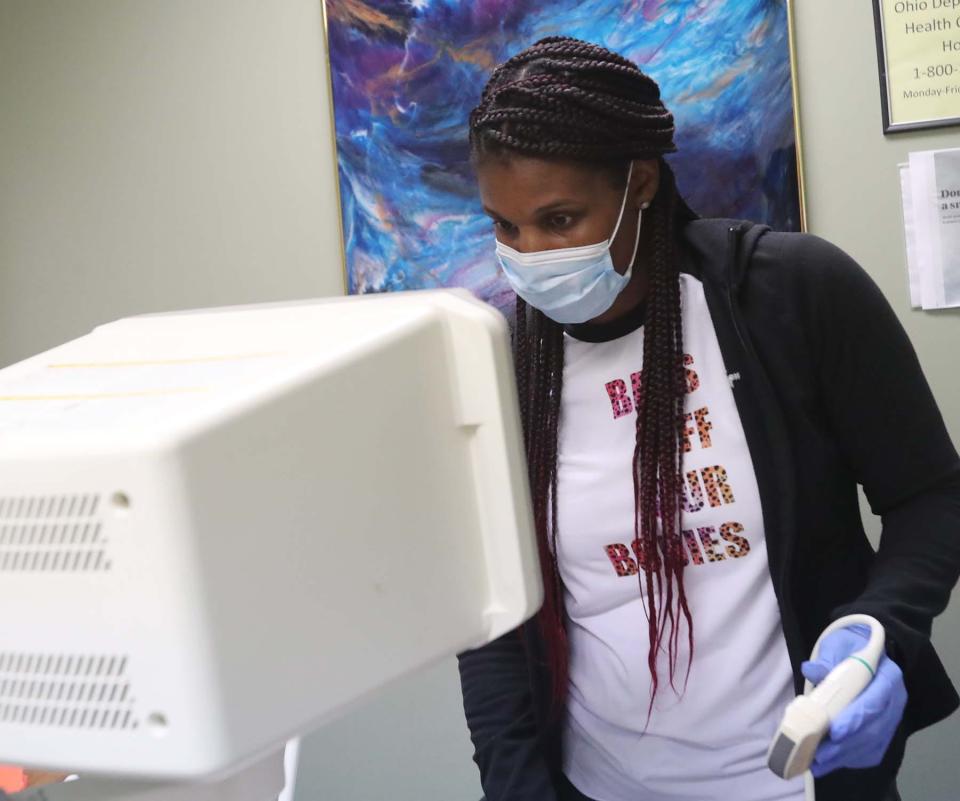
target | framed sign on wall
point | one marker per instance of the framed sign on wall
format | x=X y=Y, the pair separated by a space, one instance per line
x=918 y=49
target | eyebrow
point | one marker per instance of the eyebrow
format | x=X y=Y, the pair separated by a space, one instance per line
x=548 y=207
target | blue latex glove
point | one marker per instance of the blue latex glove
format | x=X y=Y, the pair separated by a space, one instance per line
x=859 y=736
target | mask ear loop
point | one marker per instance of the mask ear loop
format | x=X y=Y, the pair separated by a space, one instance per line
x=636 y=245
x=623 y=205
x=636 y=241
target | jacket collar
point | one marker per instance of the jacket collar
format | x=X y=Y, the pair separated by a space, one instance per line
x=721 y=248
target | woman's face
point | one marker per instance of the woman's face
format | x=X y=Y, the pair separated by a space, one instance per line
x=538 y=204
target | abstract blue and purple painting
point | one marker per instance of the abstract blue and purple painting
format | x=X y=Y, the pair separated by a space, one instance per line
x=406 y=74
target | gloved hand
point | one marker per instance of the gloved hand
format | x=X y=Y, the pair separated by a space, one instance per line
x=859 y=736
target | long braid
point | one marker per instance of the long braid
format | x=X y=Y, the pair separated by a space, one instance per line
x=539 y=361
x=659 y=438
x=569 y=99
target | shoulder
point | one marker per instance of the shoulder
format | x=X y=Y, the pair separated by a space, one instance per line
x=814 y=274
x=751 y=255
x=788 y=282
x=804 y=256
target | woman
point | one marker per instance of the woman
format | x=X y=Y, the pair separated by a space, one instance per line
x=700 y=400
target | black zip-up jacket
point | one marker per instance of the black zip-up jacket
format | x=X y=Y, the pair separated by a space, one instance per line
x=831 y=395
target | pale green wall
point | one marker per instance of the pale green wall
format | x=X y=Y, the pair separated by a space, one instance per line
x=159 y=155
x=853 y=200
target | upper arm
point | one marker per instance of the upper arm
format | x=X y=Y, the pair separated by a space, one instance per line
x=876 y=398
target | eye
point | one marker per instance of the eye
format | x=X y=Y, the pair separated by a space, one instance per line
x=559 y=222
x=502 y=226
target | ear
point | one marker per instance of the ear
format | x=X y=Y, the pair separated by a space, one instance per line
x=644 y=181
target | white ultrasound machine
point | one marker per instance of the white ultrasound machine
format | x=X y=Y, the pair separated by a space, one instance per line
x=220 y=529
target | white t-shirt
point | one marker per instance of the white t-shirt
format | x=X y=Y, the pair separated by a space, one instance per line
x=710 y=742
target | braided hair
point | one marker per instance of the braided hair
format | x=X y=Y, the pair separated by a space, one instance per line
x=570 y=100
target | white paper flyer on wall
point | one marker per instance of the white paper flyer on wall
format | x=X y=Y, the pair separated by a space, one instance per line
x=932 y=222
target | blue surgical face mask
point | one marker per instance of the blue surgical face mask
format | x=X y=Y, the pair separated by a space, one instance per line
x=570 y=285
